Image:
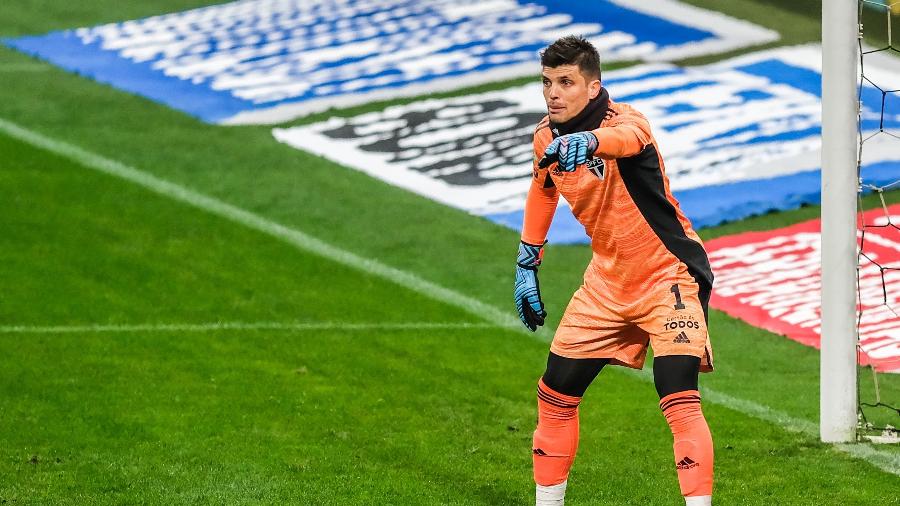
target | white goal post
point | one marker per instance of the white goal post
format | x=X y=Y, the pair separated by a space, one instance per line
x=838 y=394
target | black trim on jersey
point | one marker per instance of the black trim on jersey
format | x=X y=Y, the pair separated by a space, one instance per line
x=643 y=179
x=548 y=183
x=704 y=294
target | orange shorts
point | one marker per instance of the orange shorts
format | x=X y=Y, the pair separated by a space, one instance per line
x=671 y=319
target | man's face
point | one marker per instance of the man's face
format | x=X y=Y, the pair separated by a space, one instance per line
x=567 y=91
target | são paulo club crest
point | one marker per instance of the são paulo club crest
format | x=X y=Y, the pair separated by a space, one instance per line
x=597 y=167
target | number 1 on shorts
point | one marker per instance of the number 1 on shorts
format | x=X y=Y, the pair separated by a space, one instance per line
x=677 y=292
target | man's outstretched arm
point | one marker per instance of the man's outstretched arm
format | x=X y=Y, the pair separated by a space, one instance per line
x=540 y=205
x=627 y=136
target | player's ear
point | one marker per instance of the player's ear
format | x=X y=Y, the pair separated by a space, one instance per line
x=594 y=89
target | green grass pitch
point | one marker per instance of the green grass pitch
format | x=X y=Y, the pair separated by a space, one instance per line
x=342 y=397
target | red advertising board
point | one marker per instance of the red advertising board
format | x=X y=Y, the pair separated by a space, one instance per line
x=773 y=280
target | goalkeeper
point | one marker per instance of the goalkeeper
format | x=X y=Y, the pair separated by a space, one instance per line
x=648 y=282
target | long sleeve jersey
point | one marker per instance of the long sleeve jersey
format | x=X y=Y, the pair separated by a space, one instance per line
x=638 y=233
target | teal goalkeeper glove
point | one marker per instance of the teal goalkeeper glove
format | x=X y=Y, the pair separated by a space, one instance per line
x=570 y=151
x=527 y=292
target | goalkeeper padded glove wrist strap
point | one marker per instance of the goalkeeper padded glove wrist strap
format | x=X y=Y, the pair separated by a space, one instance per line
x=530 y=255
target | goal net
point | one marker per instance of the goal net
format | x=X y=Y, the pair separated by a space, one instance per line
x=878 y=274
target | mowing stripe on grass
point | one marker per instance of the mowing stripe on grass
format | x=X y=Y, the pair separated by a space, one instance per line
x=24 y=67
x=213 y=326
x=292 y=236
x=883 y=460
x=886 y=461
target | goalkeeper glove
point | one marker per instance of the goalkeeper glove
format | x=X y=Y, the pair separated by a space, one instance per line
x=527 y=292
x=570 y=151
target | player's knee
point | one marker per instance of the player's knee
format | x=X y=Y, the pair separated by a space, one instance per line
x=682 y=410
x=555 y=405
x=571 y=376
x=556 y=437
x=675 y=373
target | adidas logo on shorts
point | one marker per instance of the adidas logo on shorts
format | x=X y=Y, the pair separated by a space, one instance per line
x=681 y=338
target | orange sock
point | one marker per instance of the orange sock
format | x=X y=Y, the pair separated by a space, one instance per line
x=556 y=437
x=693 y=442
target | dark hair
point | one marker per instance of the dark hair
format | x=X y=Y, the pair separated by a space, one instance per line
x=573 y=50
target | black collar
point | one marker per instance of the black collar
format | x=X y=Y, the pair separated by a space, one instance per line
x=588 y=119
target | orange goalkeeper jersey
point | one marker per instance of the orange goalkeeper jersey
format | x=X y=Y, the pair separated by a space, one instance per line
x=638 y=233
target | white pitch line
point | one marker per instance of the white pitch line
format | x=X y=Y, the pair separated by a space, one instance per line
x=213 y=326
x=882 y=460
x=886 y=461
x=254 y=221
